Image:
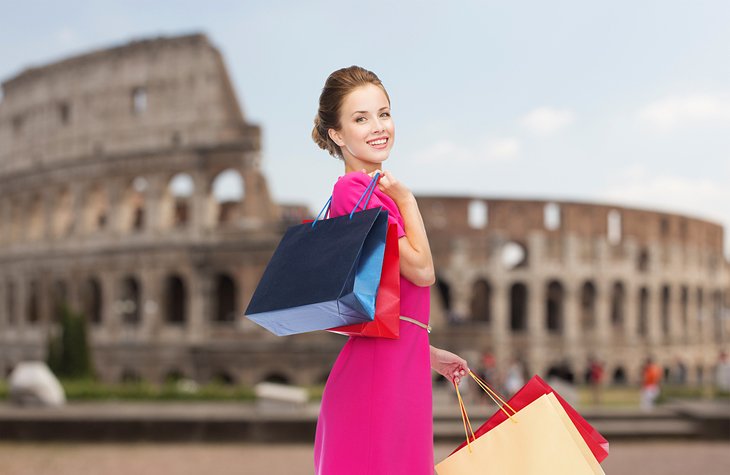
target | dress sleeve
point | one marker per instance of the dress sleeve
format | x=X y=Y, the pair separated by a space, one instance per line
x=348 y=190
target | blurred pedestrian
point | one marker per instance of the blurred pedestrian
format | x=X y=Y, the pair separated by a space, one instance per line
x=722 y=372
x=515 y=378
x=651 y=377
x=594 y=378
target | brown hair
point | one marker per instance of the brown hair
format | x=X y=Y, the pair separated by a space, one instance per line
x=338 y=85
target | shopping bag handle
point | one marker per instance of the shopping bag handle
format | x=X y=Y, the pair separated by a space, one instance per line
x=327 y=207
x=465 y=418
x=468 y=430
x=368 y=191
x=492 y=394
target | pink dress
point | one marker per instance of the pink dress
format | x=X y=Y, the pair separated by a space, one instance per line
x=376 y=414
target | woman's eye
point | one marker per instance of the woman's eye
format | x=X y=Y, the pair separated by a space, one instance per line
x=385 y=114
x=359 y=119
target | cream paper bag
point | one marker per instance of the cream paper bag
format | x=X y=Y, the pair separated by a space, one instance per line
x=542 y=441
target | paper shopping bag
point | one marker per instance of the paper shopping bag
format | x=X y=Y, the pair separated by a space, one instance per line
x=387 y=304
x=323 y=274
x=535 y=388
x=540 y=439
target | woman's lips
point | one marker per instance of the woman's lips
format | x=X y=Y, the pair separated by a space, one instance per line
x=379 y=143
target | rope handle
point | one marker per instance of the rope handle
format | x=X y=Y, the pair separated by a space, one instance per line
x=468 y=430
x=367 y=194
x=465 y=418
x=494 y=396
x=327 y=207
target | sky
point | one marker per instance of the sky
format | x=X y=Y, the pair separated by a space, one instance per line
x=624 y=102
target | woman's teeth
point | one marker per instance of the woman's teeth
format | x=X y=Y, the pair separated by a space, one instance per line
x=378 y=142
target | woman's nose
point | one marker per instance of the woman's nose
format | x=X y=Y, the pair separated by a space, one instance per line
x=377 y=126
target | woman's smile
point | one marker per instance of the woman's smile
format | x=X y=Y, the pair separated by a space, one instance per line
x=381 y=143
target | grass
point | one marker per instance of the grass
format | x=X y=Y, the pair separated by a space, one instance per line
x=88 y=390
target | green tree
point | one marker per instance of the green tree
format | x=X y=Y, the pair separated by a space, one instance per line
x=68 y=352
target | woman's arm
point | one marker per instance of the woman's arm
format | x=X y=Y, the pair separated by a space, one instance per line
x=416 y=262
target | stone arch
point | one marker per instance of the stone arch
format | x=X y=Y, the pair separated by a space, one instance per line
x=176 y=297
x=481 y=301
x=717 y=311
x=14 y=216
x=91 y=298
x=276 y=377
x=444 y=292
x=177 y=201
x=130 y=301
x=643 y=322
x=225 y=298
x=33 y=308
x=554 y=302
x=562 y=370
x=223 y=376
x=684 y=309
x=133 y=210
x=665 y=309
x=518 y=307
x=59 y=299
x=227 y=194
x=10 y=306
x=130 y=375
x=588 y=305
x=619 y=377
x=700 y=303
x=642 y=260
x=96 y=208
x=63 y=213
x=618 y=305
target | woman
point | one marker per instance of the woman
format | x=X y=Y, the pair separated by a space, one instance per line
x=376 y=414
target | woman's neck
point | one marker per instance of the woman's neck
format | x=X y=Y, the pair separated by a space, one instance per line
x=357 y=165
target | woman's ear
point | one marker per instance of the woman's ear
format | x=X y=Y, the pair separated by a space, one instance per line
x=336 y=138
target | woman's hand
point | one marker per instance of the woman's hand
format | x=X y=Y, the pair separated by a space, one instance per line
x=449 y=365
x=389 y=185
x=416 y=262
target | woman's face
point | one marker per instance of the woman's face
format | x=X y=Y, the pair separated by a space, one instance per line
x=366 y=130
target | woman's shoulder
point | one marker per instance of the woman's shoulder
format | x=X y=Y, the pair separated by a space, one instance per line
x=350 y=186
x=354 y=180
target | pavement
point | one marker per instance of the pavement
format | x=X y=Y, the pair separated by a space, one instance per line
x=626 y=458
x=264 y=423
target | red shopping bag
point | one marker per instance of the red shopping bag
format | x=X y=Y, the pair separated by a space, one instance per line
x=535 y=388
x=387 y=302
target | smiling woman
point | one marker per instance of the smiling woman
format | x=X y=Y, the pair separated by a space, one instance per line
x=376 y=412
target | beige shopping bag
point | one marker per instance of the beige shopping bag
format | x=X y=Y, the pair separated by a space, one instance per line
x=539 y=439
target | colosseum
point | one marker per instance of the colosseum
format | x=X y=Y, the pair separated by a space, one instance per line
x=131 y=189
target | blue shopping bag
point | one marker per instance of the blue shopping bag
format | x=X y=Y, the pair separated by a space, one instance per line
x=323 y=274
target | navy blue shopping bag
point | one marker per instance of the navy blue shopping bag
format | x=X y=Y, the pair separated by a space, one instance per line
x=323 y=274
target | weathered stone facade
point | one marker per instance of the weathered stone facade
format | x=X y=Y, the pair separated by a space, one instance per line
x=108 y=169
x=548 y=282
